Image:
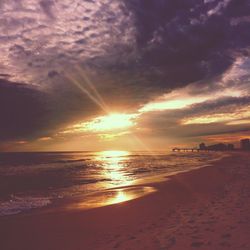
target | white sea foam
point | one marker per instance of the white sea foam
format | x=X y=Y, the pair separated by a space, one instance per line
x=18 y=204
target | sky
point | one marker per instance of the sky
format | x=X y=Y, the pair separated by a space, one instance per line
x=123 y=74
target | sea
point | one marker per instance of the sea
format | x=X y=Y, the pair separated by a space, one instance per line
x=29 y=181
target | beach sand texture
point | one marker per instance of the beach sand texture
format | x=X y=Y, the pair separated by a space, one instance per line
x=207 y=208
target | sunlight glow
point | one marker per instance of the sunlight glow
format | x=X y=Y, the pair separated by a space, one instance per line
x=239 y=122
x=182 y=98
x=171 y=104
x=110 y=136
x=113 y=153
x=120 y=197
x=108 y=123
x=87 y=87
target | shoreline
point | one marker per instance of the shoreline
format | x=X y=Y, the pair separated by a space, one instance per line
x=161 y=220
x=109 y=196
x=148 y=183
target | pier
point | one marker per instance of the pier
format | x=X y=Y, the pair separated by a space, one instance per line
x=186 y=150
x=245 y=145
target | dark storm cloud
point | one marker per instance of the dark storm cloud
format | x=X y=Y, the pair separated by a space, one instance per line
x=180 y=43
x=177 y=43
x=22 y=110
x=28 y=113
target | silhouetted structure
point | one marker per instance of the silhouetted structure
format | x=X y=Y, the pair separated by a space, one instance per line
x=185 y=149
x=245 y=144
x=216 y=147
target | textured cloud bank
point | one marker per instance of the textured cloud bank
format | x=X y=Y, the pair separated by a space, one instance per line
x=40 y=37
x=67 y=61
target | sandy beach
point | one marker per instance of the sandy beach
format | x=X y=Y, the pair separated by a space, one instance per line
x=207 y=208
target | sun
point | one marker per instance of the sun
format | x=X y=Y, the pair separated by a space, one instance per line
x=111 y=122
x=113 y=153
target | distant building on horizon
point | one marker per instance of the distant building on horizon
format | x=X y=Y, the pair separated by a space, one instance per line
x=230 y=147
x=216 y=147
x=245 y=144
x=202 y=146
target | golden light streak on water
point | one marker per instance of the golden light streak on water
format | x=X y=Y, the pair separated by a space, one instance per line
x=114 y=167
x=114 y=164
x=111 y=197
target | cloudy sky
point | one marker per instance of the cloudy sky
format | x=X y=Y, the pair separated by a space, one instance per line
x=123 y=74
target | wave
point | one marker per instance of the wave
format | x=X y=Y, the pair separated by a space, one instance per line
x=17 y=204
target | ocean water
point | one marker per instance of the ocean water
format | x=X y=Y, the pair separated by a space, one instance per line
x=35 y=180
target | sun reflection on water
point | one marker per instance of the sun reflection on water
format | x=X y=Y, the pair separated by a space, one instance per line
x=121 y=196
x=113 y=153
x=114 y=168
x=118 y=187
x=113 y=196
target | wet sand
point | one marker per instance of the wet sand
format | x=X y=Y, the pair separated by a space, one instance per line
x=207 y=208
